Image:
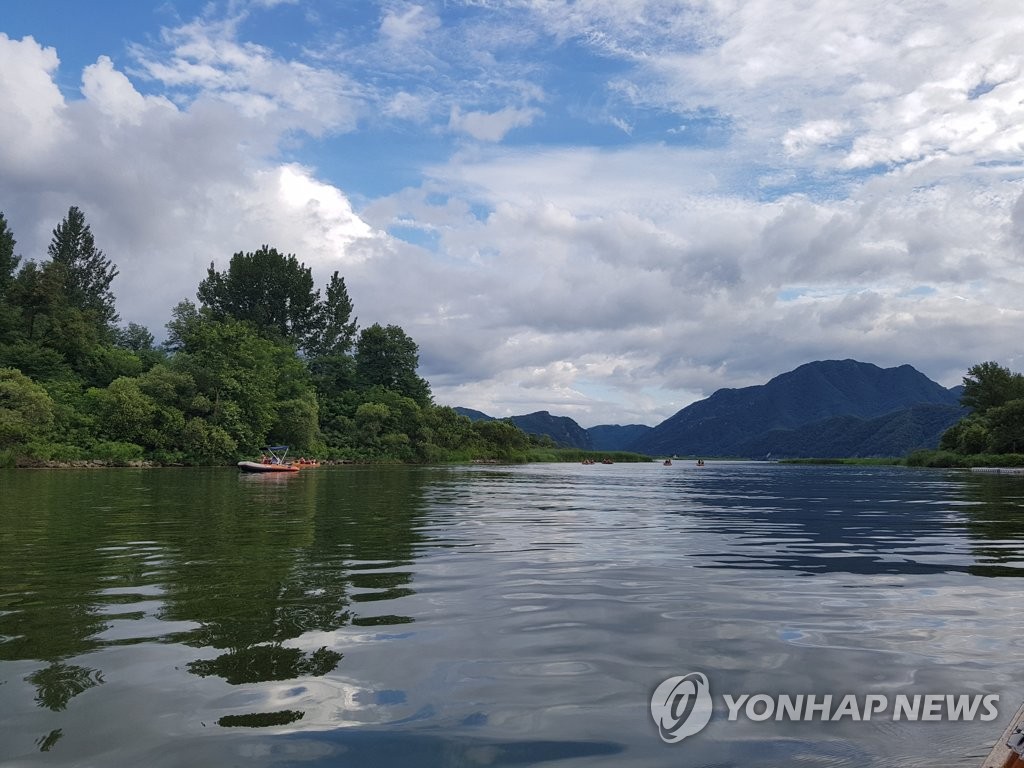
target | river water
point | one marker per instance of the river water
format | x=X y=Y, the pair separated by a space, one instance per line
x=499 y=615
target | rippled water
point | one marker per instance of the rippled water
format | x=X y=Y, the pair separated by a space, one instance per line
x=505 y=616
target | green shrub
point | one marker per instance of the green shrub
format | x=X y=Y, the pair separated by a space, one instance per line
x=45 y=451
x=117 y=453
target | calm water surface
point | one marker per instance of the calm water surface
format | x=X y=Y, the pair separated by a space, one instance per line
x=497 y=616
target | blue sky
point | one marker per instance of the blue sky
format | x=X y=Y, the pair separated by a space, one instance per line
x=606 y=209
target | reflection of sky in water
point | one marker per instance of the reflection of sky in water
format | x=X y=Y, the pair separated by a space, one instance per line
x=520 y=615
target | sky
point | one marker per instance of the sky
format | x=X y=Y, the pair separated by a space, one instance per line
x=606 y=209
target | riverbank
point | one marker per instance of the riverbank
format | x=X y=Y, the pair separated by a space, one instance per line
x=540 y=456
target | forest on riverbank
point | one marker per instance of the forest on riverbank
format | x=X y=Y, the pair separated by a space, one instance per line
x=992 y=433
x=261 y=357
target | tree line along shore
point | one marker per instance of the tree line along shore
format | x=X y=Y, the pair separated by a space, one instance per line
x=261 y=356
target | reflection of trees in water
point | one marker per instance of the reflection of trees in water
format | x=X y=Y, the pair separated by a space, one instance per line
x=267 y=662
x=250 y=565
x=58 y=683
x=266 y=578
x=45 y=743
x=261 y=719
x=995 y=523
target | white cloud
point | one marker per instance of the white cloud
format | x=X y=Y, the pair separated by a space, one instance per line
x=32 y=117
x=113 y=94
x=491 y=126
x=408 y=24
x=811 y=135
x=205 y=58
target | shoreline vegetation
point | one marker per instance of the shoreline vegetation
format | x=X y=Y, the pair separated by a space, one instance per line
x=261 y=357
x=553 y=455
x=264 y=357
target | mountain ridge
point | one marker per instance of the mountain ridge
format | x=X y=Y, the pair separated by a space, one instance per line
x=722 y=423
x=825 y=408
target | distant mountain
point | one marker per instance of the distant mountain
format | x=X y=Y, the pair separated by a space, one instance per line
x=732 y=422
x=895 y=434
x=472 y=415
x=566 y=432
x=615 y=437
x=561 y=429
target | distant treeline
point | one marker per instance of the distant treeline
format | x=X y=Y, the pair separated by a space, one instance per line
x=262 y=357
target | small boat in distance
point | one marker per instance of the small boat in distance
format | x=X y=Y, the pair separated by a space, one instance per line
x=271 y=461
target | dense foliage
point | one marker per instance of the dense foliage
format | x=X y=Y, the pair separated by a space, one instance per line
x=262 y=358
x=992 y=434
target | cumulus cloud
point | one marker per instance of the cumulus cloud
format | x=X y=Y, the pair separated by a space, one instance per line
x=33 y=106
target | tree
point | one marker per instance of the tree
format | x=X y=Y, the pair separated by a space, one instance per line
x=139 y=341
x=272 y=291
x=87 y=273
x=336 y=332
x=330 y=347
x=134 y=337
x=26 y=410
x=244 y=378
x=48 y=320
x=8 y=260
x=8 y=264
x=387 y=357
x=1006 y=427
x=500 y=438
x=124 y=412
x=989 y=385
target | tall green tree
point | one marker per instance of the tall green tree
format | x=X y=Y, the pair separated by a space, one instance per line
x=330 y=348
x=387 y=357
x=335 y=331
x=990 y=385
x=270 y=290
x=8 y=265
x=87 y=273
x=8 y=259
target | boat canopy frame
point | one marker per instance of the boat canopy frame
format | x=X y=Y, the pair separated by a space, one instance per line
x=274 y=450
